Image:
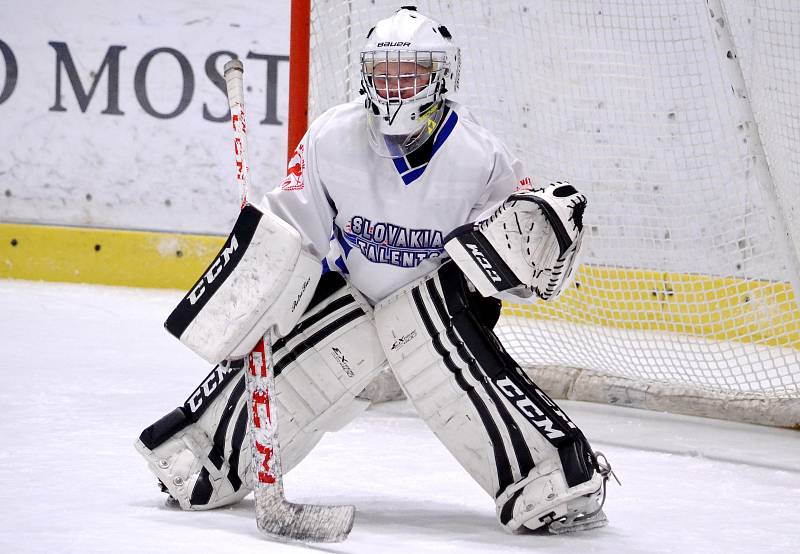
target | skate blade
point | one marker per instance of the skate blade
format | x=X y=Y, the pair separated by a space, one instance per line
x=578 y=524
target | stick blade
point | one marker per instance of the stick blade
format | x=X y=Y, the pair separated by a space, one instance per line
x=287 y=521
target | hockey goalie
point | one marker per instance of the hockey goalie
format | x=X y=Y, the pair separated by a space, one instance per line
x=404 y=223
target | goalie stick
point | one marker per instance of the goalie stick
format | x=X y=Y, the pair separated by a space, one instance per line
x=275 y=516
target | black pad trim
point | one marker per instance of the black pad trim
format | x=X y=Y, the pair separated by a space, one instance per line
x=573 y=448
x=316 y=338
x=578 y=462
x=239 y=432
x=201 y=493
x=328 y=284
x=306 y=323
x=226 y=260
x=198 y=402
x=160 y=431
x=508 y=508
x=217 y=453
x=504 y=473
x=181 y=417
x=520 y=446
x=485 y=256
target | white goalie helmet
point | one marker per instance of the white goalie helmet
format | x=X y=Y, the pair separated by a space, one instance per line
x=408 y=65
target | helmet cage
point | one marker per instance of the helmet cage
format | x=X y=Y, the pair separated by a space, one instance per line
x=389 y=81
x=401 y=87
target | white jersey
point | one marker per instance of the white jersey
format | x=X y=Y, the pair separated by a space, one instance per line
x=383 y=221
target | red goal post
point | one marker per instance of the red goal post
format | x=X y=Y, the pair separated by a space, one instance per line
x=299 y=57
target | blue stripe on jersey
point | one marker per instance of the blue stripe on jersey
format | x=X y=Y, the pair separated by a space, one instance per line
x=341 y=265
x=408 y=174
x=445 y=131
x=412 y=176
x=400 y=164
x=326 y=268
x=346 y=246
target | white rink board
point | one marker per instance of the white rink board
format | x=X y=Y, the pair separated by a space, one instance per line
x=136 y=170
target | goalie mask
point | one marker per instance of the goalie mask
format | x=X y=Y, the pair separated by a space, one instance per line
x=408 y=65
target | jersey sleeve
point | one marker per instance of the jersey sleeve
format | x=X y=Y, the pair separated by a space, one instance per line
x=508 y=175
x=302 y=200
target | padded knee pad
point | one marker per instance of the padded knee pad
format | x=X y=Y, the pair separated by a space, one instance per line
x=200 y=452
x=496 y=422
x=322 y=365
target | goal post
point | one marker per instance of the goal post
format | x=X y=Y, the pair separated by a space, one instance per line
x=299 y=42
x=680 y=120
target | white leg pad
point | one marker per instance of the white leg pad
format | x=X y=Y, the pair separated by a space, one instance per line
x=321 y=366
x=502 y=428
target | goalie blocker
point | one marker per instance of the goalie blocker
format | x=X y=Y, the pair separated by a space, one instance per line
x=529 y=242
x=261 y=278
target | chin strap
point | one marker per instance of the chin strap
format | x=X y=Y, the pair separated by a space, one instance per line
x=390 y=119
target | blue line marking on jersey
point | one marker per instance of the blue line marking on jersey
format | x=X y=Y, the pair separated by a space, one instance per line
x=445 y=131
x=409 y=174
x=412 y=176
x=400 y=164
x=346 y=247
x=341 y=265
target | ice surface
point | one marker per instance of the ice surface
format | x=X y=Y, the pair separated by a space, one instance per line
x=85 y=368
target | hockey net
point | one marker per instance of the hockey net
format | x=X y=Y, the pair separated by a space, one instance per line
x=680 y=119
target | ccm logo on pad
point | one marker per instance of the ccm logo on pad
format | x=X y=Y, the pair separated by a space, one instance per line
x=479 y=257
x=203 y=392
x=214 y=271
x=528 y=408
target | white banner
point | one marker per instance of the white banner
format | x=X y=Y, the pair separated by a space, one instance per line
x=113 y=114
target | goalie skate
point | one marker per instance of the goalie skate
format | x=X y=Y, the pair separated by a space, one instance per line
x=579 y=513
x=583 y=513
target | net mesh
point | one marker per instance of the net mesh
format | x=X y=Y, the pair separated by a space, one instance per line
x=687 y=268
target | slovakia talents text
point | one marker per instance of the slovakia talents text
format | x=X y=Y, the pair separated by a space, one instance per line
x=386 y=243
